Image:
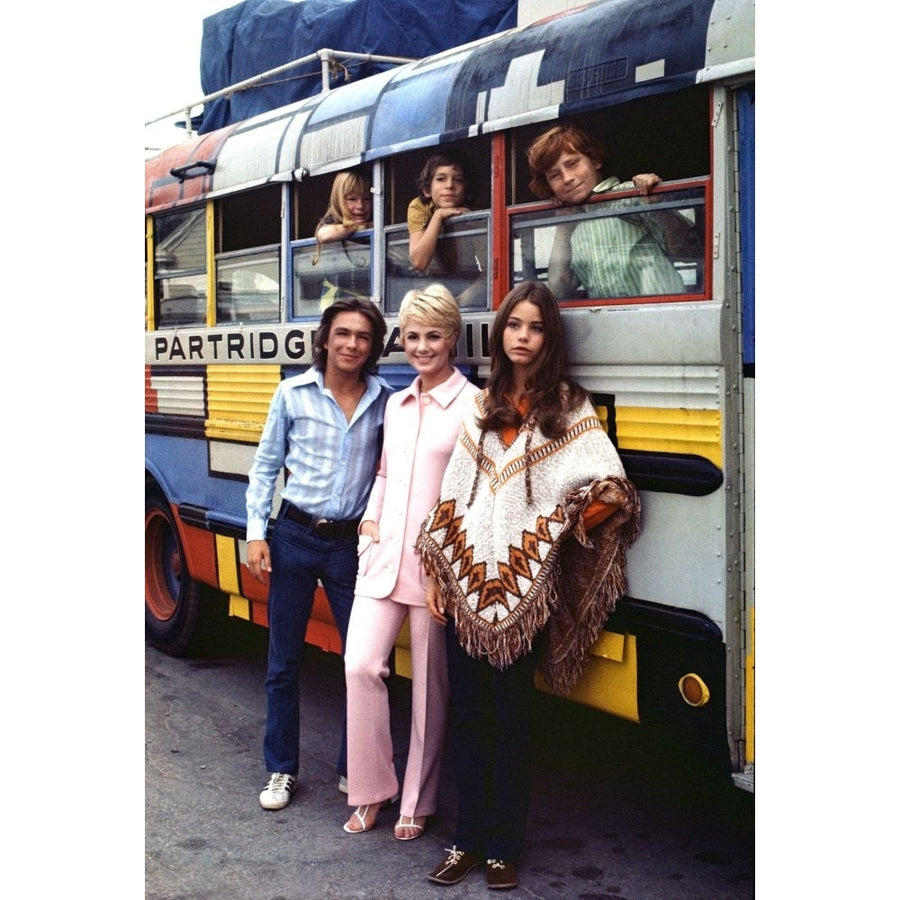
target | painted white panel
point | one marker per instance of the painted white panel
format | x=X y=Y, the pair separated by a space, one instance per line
x=228 y=458
x=680 y=557
x=662 y=387
x=179 y=396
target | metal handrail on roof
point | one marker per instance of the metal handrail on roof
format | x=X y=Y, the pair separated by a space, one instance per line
x=327 y=56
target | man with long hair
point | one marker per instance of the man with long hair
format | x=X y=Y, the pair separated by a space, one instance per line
x=324 y=426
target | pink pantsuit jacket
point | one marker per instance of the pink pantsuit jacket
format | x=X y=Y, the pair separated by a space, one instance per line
x=420 y=431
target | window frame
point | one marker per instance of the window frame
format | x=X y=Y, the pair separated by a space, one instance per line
x=516 y=214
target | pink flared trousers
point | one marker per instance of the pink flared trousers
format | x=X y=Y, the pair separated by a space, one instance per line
x=371 y=776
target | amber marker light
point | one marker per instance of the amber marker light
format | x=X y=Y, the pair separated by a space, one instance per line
x=693 y=690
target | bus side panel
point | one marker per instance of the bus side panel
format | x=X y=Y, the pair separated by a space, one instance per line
x=665 y=658
x=205 y=481
x=661 y=392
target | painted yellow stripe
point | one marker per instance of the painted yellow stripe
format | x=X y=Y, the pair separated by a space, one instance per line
x=238 y=400
x=226 y=559
x=151 y=282
x=402 y=655
x=610 y=645
x=239 y=607
x=695 y=431
x=750 y=698
x=210 y=263
x=609 y=682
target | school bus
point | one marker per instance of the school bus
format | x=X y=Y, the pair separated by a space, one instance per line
x=233 y=298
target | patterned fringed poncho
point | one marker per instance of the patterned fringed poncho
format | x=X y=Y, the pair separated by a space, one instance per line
x=512 y=556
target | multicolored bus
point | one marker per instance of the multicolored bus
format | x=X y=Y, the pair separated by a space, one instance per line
x=233 y=298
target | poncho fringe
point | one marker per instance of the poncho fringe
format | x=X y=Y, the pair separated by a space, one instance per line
x=591 y=579
x=580 y=578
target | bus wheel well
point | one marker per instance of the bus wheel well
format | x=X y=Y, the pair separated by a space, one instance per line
x=171 y=595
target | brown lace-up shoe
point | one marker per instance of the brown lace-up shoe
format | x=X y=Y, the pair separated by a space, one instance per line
x=455 y=867
x=501 y=874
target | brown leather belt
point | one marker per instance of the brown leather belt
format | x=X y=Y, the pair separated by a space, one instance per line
x=326 y=528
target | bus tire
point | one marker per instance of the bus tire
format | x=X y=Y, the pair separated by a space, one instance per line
x=171 y=596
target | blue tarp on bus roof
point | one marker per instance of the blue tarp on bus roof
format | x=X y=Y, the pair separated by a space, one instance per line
x=259 y=35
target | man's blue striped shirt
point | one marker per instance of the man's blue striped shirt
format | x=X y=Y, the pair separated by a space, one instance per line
x=331 y=462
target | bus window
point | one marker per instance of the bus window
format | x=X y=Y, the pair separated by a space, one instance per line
x=667 y=134
x=460 y=262
x=249 y=219
x=454 y=176
x=309 y=201
x=616 y=247
x=248 y=231
x=343 y=269
x=325 y=271
x=247 y=287
x=180 y=268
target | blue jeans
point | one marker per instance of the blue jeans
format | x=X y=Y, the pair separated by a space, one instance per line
x=491 y=724
x=300 y=559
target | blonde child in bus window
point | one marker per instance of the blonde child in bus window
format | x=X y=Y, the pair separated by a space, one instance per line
x=349 y=209
x=608 y=257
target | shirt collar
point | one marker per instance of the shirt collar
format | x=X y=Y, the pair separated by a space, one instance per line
x=606 y=185
x=313 y=375
x=444 y=394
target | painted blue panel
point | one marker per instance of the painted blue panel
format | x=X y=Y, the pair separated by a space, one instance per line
x=350 y=99
x=187 y=479
x=591 y=57
x=337 y=131
x=414 y=109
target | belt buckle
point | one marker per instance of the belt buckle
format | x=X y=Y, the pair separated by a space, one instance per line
x=324 y=528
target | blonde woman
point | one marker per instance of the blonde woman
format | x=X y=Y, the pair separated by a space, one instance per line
x=420 y=430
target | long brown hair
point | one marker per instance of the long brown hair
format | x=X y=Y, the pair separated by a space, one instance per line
x=551 y=394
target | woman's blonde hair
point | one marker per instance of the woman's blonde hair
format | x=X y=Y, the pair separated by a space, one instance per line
x=434 y=306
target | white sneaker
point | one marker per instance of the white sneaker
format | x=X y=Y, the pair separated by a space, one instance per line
x=342 y=784
x=277 y=793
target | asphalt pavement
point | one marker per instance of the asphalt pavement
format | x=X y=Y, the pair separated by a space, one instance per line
x=615 y=815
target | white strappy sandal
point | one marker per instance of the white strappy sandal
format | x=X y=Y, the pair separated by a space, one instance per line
x=361 y=813
x=412 y=823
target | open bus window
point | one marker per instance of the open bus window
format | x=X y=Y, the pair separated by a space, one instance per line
x=619 y=247
x=667 y=134
x=460 y=263
x=247 y=287
x=343 y=269
x=179 y=260
x=249 y=219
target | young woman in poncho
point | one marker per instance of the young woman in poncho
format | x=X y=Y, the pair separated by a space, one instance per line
x=526 y=550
